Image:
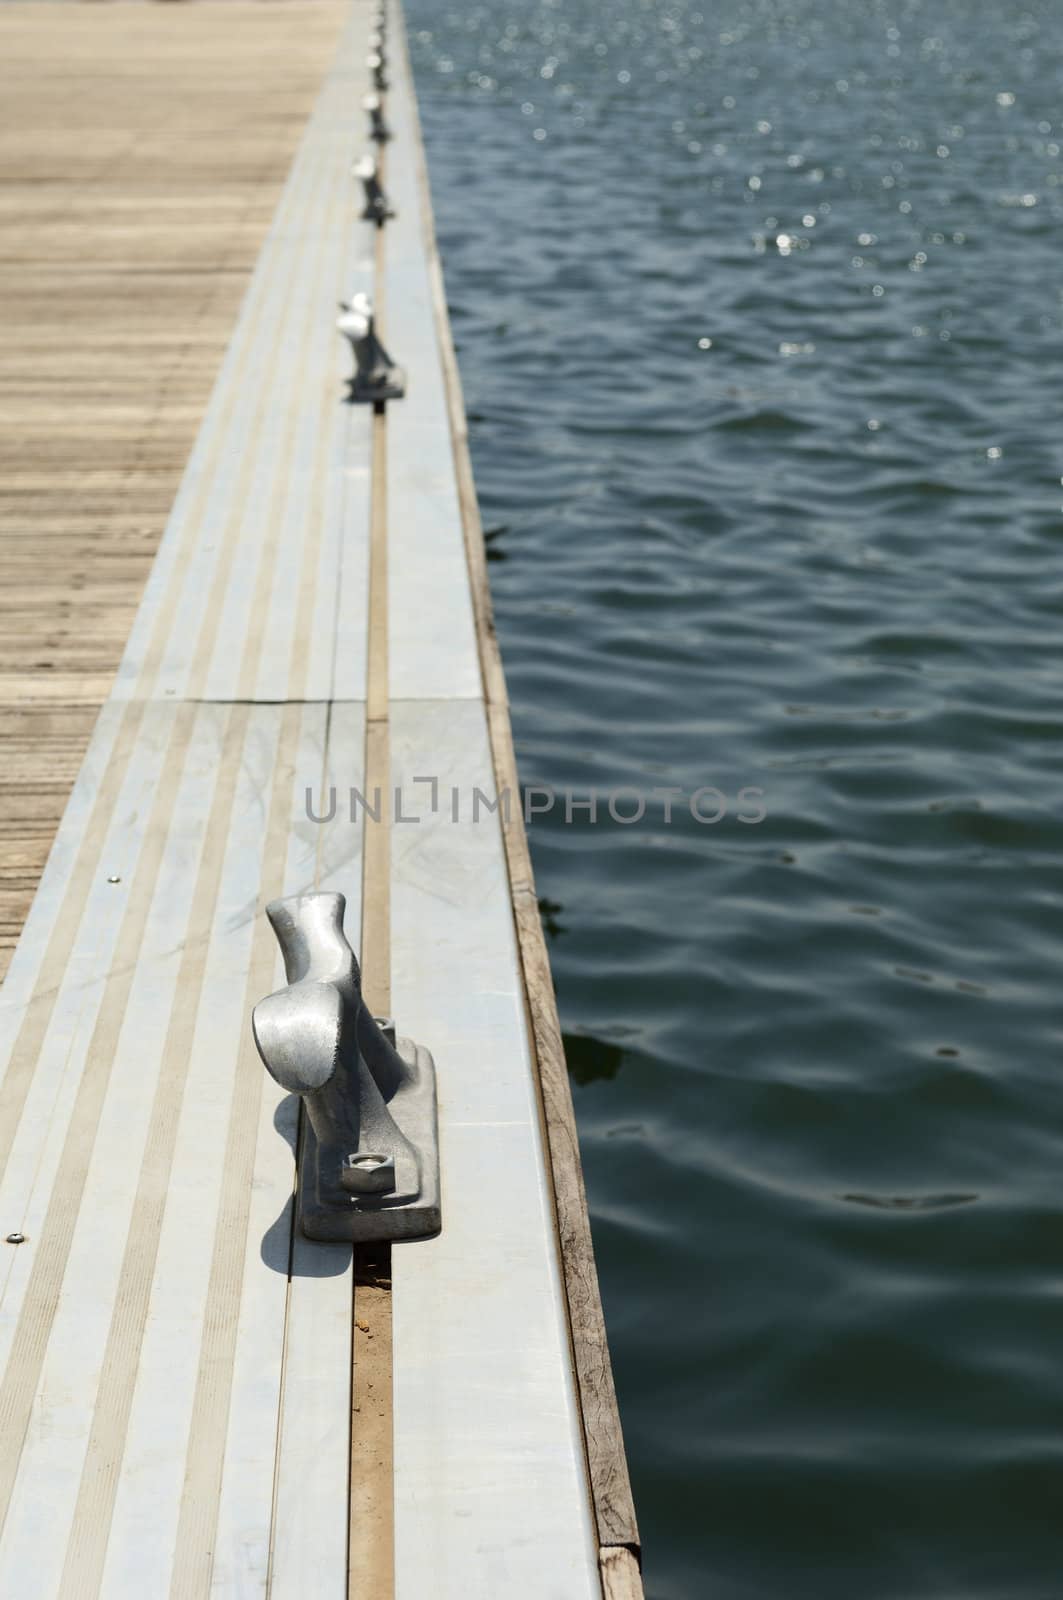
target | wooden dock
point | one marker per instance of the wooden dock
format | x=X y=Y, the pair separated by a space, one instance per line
x=195 y=1400
x=140 y=173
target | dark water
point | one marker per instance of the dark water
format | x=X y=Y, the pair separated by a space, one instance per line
x=817 y=1059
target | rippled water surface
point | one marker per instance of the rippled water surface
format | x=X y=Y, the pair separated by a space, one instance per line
x=758 y=310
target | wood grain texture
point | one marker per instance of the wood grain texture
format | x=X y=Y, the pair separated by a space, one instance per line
x=371 y=1543
x=621 y=1579
x=372 y=1536
x=607 y=1463
x=140 y=166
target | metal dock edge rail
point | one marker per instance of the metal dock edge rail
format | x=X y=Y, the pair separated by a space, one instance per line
x=196 y=1399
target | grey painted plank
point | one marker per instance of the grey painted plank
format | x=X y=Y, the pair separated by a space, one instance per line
x=312 y=1513
x=491 y=1497
x=256 y=522
x=433 y=649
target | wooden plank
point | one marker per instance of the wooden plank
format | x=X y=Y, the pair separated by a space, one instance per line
x=613 y=1503
x=621 y=1578
x=372 y=1531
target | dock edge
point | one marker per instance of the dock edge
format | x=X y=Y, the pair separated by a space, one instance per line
x=619 y=1548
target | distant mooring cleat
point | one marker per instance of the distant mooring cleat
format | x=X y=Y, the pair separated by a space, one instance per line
x=368 y=1159
x=375 y=63
x=377 y=208
x=378 y=128
x=375 y=377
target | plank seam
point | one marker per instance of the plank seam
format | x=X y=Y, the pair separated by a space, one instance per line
x=371 y=1547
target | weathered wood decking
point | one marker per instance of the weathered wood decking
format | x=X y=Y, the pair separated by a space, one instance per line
x=176 y=1364
x=143 y=149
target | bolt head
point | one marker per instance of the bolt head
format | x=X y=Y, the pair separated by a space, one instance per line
x=367 y=1172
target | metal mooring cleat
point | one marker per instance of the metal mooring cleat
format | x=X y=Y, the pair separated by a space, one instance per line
x=375 y=63
x=377 y=208
x=375 y=378
x=368 y=1161
x=378 y=129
